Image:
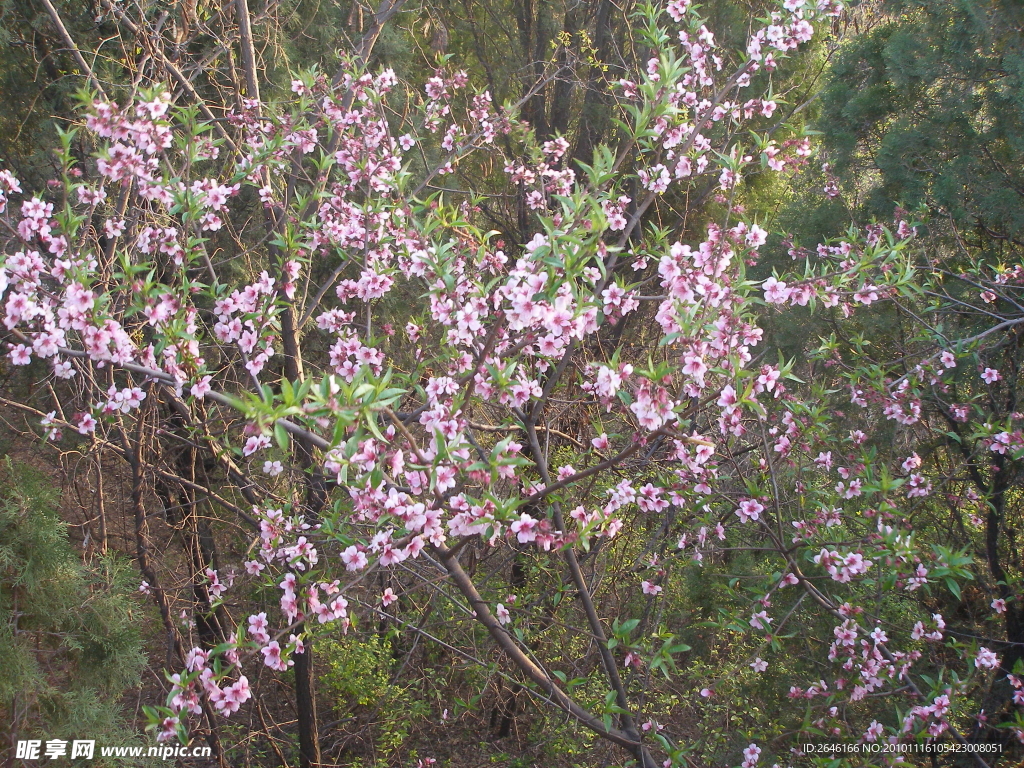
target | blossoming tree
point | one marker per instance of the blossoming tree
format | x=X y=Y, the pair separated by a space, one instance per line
x=288 y=311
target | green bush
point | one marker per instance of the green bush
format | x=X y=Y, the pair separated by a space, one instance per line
x=358 y=681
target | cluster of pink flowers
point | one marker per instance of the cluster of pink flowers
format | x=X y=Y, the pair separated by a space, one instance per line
x=248 y=319
x=934 y=714
x=842 y=568
x=201 y=680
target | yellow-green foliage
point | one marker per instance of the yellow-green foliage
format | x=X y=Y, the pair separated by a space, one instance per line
x=358 y=680
x=357 y=670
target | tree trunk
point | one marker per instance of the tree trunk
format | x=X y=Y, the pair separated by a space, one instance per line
x=305 y=706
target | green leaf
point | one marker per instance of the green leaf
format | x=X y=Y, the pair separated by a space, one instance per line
x=627 y=626
x=953 y=587
x=281 y=436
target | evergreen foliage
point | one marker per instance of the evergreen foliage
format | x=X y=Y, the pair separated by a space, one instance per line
x=70 y=646
x=927 y=108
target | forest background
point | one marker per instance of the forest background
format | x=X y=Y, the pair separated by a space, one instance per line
x=610 y=384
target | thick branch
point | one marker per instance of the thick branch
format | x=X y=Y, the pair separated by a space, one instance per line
x=521 y=660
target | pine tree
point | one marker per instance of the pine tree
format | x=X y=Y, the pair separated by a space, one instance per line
x=927 y=108
x=69 y=642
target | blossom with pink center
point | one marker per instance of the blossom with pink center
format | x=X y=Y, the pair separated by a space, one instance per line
x=445 y=478
x=650 y=588
x=354 y=559
x=255 y=443
x=288 y=583
x=911 y=463
x=201 y=387
x=728 y=398
x=85 y=423
x=258 y=628
x=168 y=729
x=525 y=528
x=694 y=365
x=20 y=355
x=986 y=659
x=272 y=657
x=775 y=291
x=290 y=606
x=235 y=695
x=749 y=509
x=197 y=658
x=866 y=295
x=756 y=236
